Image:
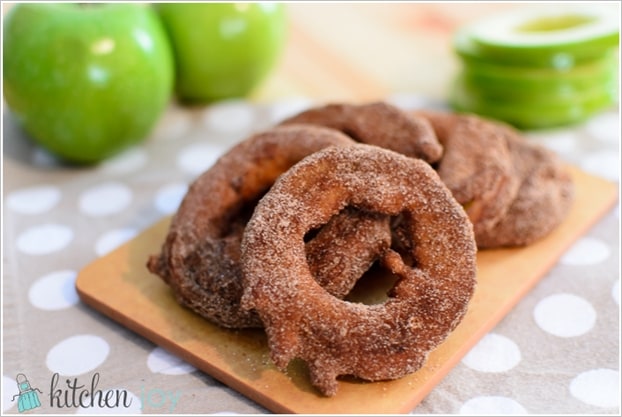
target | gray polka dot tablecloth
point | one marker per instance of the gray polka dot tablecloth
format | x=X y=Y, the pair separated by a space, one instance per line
x=556 y=352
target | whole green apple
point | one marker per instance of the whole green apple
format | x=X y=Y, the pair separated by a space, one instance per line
x=86 y=81
x=222 y=50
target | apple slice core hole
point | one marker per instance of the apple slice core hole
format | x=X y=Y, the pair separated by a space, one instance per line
x=555 y=23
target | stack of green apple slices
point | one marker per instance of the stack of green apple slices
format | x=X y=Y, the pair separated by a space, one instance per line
x=539 y=68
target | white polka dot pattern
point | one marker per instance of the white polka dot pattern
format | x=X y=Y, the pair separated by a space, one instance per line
x=54 y=291
x=129 y=161
x=586 y=251
x=162 y=362
x=35 y=200
x=113 y=239
x=599 y=387
x=169 y=197
x=563 y=142
x=229 y=117
x=605 y=164
x=105 y=199
x=44 y=239
x=605 y=127
x=9 y=392
x=408 y=101
x=492 y=405
x=280 y=111
x=173 y=126
x=77 y=355
x=565 y=315
x=493 y=353
x=615 y=292
x=196 y=158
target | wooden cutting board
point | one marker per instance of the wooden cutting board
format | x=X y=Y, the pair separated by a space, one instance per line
x=119 y=286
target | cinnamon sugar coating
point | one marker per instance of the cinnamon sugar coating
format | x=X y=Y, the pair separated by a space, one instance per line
x=514 y=191
x=200 y=257
x=337 y=208
x=336 y=337
x=543 y=201
x=476 y=166
x=379 y=124
x=346 y=247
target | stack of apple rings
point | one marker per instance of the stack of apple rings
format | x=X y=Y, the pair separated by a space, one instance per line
x=539 y=68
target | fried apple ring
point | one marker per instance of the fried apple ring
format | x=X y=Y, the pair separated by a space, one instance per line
x=544 y=198
x=200 y=258
x=379 y=124
x=336 y=337
x=346 y=247
x=476 y=166
x=515 y=192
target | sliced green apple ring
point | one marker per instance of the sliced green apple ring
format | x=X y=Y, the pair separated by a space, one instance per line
x=556 y=93
x=532 y=115
x=596 y=68
x=557 y=37
x=541 y=82
x=471 y=54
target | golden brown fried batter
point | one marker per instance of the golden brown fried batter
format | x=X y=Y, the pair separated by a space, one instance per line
x=200 y=257
x=336 y=337
x=543 y=201
x=514 y=191
x=379 y=124
x=476 y=166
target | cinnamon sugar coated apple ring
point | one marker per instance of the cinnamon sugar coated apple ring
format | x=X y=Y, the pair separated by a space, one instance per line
x=379 y=124
x=200 y=258
x=336 y=337
x=476 y=166
x=346 y=247
x=544 y=198
x=514 y=191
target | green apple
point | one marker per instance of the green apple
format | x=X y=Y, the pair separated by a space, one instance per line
x=533 y=113
x=222 y=50
x=547 y=83
x=86 y=81
x=557 y=37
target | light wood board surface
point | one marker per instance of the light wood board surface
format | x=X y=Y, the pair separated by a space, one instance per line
x=120 y=286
